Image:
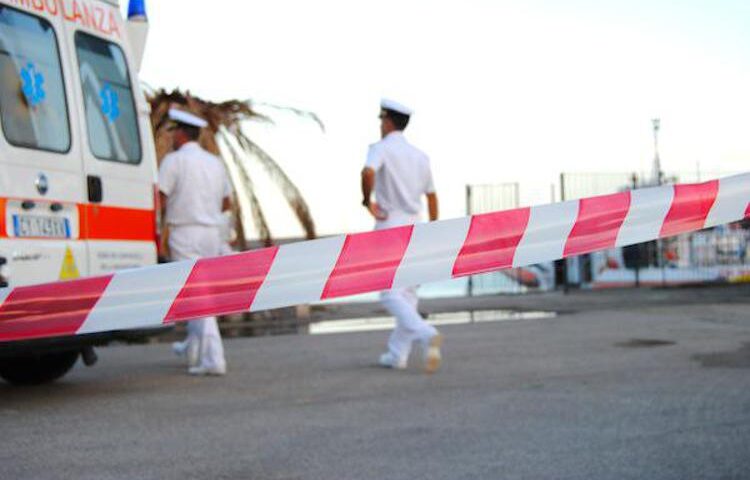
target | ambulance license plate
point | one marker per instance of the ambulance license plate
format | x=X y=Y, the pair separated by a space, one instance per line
x=41 y=226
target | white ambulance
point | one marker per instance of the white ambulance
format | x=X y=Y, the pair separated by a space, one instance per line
x=77 y=161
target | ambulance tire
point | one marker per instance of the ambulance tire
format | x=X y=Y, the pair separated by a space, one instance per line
x=37 y=369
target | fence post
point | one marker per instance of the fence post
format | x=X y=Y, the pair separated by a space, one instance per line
x=470 y=282
x=637 y=266
x=660 y=247
x=563 y=260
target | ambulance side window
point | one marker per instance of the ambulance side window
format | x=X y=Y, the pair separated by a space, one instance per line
x=108 y=100
x=33 y=107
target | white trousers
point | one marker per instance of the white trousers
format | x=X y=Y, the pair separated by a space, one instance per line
x=410 y=327
x=190 y=242
x=403 y=304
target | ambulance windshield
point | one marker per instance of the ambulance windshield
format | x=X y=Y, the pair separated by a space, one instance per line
x=32 y=94
x=108 y=99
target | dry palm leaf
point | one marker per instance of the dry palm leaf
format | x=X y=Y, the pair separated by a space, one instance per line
x=225 y=125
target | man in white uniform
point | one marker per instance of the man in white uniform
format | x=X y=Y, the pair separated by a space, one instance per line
x=194 y=191
x=399 y=173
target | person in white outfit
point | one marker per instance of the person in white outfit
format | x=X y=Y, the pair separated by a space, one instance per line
x=194 y=191
x=399 y=174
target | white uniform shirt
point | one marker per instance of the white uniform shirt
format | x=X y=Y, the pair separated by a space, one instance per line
x=195 y=183
x=402 y=175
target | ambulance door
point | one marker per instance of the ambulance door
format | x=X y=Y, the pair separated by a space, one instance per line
x=119 y=162
x=41 y=176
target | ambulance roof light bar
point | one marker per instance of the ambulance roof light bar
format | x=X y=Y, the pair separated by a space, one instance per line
x=136 y=9
x=137 y=30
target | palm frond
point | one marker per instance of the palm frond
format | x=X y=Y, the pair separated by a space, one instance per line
x=248 y=188
x=300 y=113
x=224 y=122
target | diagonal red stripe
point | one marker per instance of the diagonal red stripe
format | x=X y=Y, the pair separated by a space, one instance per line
x=690 y=207
x=491 y=241
x=598 y=223
x=49 y=310
x=222 y=285
x=747 y=211
x=368 y=262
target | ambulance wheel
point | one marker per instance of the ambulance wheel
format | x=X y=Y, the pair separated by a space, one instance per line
x=37 y=369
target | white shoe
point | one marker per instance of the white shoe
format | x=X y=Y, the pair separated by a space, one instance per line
x=205 y=371
x=179 y=348
x=189 y=349
x=389 y=360
x=432 y=356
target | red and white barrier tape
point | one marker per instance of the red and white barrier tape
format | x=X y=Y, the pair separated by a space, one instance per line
x=364 y=262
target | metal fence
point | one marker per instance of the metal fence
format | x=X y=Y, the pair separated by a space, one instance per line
x=503 y=196
x=713 y=255
x=492 y=197
x=716 y=255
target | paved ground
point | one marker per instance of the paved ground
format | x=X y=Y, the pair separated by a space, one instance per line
x=638 y=386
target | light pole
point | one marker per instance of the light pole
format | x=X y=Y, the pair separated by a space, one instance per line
x=657 y=163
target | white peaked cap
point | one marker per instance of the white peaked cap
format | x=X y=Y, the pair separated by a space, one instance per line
x=389 y=104
x=181 y=116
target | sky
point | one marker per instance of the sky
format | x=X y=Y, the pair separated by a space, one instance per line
x=503 y=91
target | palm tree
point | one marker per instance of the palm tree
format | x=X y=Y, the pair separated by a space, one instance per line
x=225 y=134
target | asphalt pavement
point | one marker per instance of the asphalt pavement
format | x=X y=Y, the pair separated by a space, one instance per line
x=646 y=388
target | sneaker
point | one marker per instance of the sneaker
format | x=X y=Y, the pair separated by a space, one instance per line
x=201 y=371
x=187 y=349
x=389 y=360
x=432 y=356
x=179 y=348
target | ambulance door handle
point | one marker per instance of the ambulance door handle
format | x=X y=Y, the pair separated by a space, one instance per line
x=95 y=188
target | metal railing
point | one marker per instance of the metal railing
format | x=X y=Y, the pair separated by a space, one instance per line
x=716 y=255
